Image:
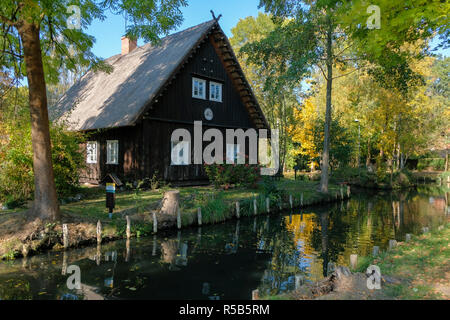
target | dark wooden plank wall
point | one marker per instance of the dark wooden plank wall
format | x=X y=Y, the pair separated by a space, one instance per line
x=177 y=102
x=145 y=148
x=128 y=167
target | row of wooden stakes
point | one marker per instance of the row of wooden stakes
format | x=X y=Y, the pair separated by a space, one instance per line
x=199 y=217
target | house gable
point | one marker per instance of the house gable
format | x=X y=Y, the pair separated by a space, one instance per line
x=178 y=105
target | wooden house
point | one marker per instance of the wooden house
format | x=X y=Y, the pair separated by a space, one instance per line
x=130 y=113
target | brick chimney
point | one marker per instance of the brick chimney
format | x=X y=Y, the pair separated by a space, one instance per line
x=128 y=45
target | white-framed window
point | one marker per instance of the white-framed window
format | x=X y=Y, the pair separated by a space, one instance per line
x=198 y=88
x=91 y=152
x=215 y=91
x=180 y=153
x=112 y=152
x=232 y=153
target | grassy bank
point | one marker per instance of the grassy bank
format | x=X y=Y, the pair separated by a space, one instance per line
x=386 y=180
x=422 y=267
x=415 y=270
x=20 y=234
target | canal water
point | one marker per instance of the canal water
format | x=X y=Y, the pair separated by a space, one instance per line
x=230 y=260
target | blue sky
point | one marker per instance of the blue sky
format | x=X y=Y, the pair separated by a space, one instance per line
x=109 y=32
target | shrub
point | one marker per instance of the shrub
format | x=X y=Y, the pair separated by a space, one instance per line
x=16 y=162
x=437 y=164
x=271 y=190
x=228 y=174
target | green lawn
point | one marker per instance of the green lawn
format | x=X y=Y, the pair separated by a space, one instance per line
x=192 y=198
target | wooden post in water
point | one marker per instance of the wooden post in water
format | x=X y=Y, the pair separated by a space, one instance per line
x=98 y=255
x=268 y=205
x=199 y=216
x=64 y=264
x=408 y=237
x=392 y=244
x=353 y=261
x=255 y=294
x=155 y=223
x=99 y=232
x=128 y=251
x=128 y=227
x=255 y=209
x=238 y=208
x=65 y=236
x=178 y=218
x=154 y=245
x=375 y=251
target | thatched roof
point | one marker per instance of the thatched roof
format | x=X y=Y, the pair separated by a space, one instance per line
x=101 y=100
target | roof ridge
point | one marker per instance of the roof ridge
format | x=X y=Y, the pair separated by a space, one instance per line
x=149 y=45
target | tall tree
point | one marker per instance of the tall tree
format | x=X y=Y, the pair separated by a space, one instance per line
x=36 y=40
x=324 y=34
x=308 y=37
x=277 y=102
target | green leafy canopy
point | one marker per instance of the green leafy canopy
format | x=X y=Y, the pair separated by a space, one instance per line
x=65 y=46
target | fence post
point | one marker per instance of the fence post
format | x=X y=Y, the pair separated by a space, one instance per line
x=128 y=227
x=99 y=232
x=392 y=244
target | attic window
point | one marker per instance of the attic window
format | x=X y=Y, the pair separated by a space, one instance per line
x=215 y=91
x=112 y=152
x=198 y=88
